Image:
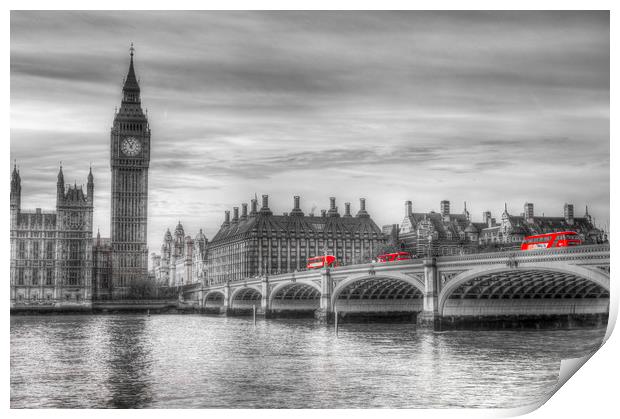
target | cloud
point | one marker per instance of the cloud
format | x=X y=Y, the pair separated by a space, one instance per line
x=485 y=107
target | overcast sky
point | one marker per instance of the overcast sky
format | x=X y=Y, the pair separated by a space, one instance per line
x=467 y=106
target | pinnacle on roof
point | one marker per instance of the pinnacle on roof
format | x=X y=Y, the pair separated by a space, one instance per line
x=179 y=230
x=61 y=177
x=131 y=82
x=15 y=175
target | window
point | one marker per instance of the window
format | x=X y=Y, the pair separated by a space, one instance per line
x=35 y=277
x=35 y=250
x=74 y=248
x=20 y=276
x=21 y=250
x=49 y=277
x=49 y=251
x=48 y=296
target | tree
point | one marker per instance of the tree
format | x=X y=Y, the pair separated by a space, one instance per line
x=141 y=289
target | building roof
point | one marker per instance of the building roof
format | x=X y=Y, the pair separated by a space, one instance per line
x=457 y=224
x=266 y=225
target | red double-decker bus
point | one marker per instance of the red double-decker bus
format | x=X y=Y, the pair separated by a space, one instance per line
x=549 y=240
x=391 y=257
x=321 y=261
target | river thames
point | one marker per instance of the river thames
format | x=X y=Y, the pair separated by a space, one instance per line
x=194 y=361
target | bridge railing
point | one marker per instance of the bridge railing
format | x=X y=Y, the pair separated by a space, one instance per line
x=593 y=248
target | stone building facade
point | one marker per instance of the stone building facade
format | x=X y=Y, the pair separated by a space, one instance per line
x=182 y=259
x=444 y=233
x=259 y=242
x=51 y=251
x=102 y=269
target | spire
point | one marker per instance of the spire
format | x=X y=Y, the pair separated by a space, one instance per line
x=61 y=177
x=131 y=88
x=90 y=174
x=15 y=179
x=16 y=188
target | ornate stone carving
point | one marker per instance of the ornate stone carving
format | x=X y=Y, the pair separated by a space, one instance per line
x=447 y=276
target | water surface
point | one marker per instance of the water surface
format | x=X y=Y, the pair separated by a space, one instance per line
x=193 y=361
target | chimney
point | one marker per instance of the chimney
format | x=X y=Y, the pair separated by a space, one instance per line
x=362 y=212
x=323 y=213
x=444 y=207
x=265 y=208
x=528 y=210
x=333 y=211
x=569 y=214
x=226 y=218
x=254 y=207
x=296 y=209
x=235 y=215
x=347 y=209
x=408 y=208
x=244 y=211
x=486 y=217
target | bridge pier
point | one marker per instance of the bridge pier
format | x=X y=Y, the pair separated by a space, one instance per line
x=429 y=316
x=264 y=308
x=324 y=314
x=226 y=307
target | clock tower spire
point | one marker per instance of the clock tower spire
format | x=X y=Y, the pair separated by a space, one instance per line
x=130 y=147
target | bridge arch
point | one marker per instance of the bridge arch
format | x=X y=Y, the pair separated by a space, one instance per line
x=303 y=295
x=524 y=284
x=214 y=298
x=245 y=297
x=378 y=292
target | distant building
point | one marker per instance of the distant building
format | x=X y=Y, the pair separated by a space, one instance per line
x=51 y=251
x=182 y=260
x=445 y=233
x=259 y=242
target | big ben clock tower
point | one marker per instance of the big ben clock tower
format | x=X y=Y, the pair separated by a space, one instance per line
x=130 y=149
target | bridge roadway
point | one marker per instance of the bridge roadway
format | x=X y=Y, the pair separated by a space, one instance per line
x=560 y=283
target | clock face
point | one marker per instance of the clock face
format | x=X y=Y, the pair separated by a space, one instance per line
x=131 y=146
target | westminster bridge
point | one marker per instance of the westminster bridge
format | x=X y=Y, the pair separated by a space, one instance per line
x=572 y=282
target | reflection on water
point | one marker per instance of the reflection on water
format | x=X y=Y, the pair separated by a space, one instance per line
x=171 y=361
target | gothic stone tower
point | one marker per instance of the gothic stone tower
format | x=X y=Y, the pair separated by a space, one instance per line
x=74 y=223
x=130 y=148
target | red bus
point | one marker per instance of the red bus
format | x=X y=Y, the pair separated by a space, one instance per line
x=548 y=240
x=391 y=257
x=319 y=262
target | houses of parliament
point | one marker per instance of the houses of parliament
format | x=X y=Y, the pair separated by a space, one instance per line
x=54 y=257
x=56 y=261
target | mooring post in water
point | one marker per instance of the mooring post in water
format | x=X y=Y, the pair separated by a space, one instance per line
x=336 y=321
x=148 y=313
x=254 y=313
